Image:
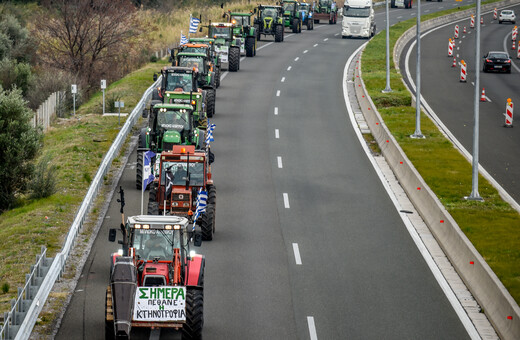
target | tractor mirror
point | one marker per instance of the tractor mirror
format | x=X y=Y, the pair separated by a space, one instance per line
x=222 y=5
x=255 y=10
x=200 y=29
x=197 y=239
x=112 y=234
x=145 y=113
x=155 y=77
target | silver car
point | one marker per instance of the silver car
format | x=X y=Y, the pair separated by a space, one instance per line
x=507 y=15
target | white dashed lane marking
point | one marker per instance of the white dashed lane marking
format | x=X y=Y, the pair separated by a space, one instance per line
x=278 y=93
x=280 y=164
x=276 y=111
x=286 y=200
x=297 y=256
x=289 y=68
x=283 y=79
x=276 y=133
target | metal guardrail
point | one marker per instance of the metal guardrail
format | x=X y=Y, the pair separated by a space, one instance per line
x=19 y=322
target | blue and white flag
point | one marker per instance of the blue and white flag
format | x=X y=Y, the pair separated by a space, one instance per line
x=194 y=24
x=202 y=199
x=184 y=39
x=209 y=133
x=147 y=168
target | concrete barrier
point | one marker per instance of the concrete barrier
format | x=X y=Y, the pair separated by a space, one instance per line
x=498 y=305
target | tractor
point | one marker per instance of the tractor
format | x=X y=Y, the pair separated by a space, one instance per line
x=155 y=280
x=269 y=21
x=292 y=16
x=211 y=58
x=325 y=10
x=306 y=12
x=180 y=174
x=244 y=31
x=215 y=60
x=170 y=124
x=226 y=46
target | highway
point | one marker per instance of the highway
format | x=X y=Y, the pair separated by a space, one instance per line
x=308 y=245
x=452 y=101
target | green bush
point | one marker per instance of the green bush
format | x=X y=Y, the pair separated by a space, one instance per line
x=43 y=183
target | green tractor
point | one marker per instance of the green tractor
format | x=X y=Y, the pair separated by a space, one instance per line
x=269 y=21
x=226 y=46
x=306 y=12
x=213 y=56
x=170 y=124
x=292 y=15
x=326 y=10
x=243 y=31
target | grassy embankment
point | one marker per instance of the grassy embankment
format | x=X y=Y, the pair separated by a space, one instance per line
x=492 y=225
x=77 y=146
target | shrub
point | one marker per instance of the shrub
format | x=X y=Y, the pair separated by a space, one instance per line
x=43 y=183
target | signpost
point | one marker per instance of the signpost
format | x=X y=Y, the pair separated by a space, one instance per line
x=119 y=105
x=103 y=87
x=74 y=90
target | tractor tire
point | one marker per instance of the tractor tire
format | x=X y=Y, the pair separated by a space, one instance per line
x=192 y=329
x=139 y=171
x=312 y=25
x=257 y=30
x=212 y=194
x=153 y=208
x=295 y=25
x=250 y=46
x=309 y=25
x=392 y=4
x=300 y=26
x=211 y=156
x=278 y=34
x=152 y=196
x=207 y=222
x=217 y=77
x=234 y=59
x=210 y=103
x=316 y=21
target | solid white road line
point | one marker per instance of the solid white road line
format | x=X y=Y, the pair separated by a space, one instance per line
x=276 y=133
x=289 y=68
x=280 y=165
x=283 y=79
x=276 y=111
x=286 y=200
x=297 y=257
x=278 y=93
x=297 y=58
x=312 y=328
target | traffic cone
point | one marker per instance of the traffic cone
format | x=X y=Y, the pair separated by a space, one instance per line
x=509 y=113
x=495 y=14
x=450 y=48
x=454 y=62
x=463 y=73
x=482 y=20
x=513 y=47
x=483 y=95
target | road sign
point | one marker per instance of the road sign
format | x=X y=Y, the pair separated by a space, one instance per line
x=103 y=84
x=73 y=89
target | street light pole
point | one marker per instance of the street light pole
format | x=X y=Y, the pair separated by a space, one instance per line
x=474 y=181
x=417 y=133
x=387 y=88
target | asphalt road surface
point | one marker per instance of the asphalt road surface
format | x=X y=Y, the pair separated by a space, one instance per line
x=452 y=101
x=308 y=244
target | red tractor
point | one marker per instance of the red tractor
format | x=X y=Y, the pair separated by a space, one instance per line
x=155 y=281
x=181 y=173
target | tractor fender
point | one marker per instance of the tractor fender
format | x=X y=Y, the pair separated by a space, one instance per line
x=195 y=272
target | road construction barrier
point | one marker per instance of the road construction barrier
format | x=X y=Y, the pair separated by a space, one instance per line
x=513 y=47
x=463 y=74
x=509 y=113
x=518 y=53
x=456 y=31
x=472 y=23
x=464 y=30
x=514 y=33
x=483 y=95
x=454 y=62
x=482 y=20
x=450 y=48
x=495 y=14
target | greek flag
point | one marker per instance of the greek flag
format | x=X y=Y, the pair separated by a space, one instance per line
x=202 y=199
x=194 y=24
x=148 y=176
x=184 y=40
x=209 y=133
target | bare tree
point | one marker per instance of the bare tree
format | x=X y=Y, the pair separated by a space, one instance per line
x=85 y=37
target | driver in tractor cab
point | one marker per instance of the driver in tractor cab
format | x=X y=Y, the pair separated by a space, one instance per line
x=180 y=175
x=154 y=247
x=177 y=83
x=268 y=13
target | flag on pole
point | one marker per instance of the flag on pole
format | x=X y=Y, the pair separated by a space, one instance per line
x=209 y=133
x=169 y=183
x=194 y=24
x=148 y=176
x=184 y=40
x=202 y=199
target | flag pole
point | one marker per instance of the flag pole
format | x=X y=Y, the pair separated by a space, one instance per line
x=142 y=186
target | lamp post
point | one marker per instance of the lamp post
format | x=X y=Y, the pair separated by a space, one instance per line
x=387 y=88
x=417 y=133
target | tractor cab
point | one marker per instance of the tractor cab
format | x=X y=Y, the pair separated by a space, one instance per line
x=221 y=32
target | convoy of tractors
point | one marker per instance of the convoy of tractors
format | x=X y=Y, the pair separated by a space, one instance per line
x=155 y=280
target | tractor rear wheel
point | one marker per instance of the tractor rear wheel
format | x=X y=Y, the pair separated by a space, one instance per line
x=207 y=222
x=153 y=208
x=278 y=33
x=212 y=194
x=192 y=329
x=295 y=25
x=250 y=46
x=210 y=103
x=139 y=171
x=234 y=59
x=217 y=77
x=257 y=30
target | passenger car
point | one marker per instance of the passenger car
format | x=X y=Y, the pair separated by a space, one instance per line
x=497 y=61
x=507 y=15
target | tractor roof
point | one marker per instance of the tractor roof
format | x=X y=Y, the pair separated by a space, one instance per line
x=178 y=69
x=241 y=14
x=173 y=106
x=193 y=44
x=222 y=24
x=284 y=1
x=210 y=40
x=180 y=152
x=191 y=54
x=270 y=6
x=157 y=222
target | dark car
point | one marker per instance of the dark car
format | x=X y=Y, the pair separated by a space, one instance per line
x=497 y=61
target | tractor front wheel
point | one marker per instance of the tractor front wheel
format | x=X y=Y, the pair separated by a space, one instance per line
x=257 y=31
x=192 y=329
x=234 y=59
x=207 y=223
x=250 y=46
x=210 y=103
x=217 y=77
x=278 y=34
x=295 y=25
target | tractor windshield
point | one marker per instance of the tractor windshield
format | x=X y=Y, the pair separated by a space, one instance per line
x=153 y=243
x=356 y=12
x=288 y=6
x=220 y=32
x=241 y=20
x=325 y=3
x=269 y=13
x=190 y=62
x=173 y=120
x=179 y=82
x=178 y=173
x=192 y=49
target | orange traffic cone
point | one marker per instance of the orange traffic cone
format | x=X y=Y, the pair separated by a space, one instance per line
x=483 y=95
x=513 y=47
x=454 y=62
